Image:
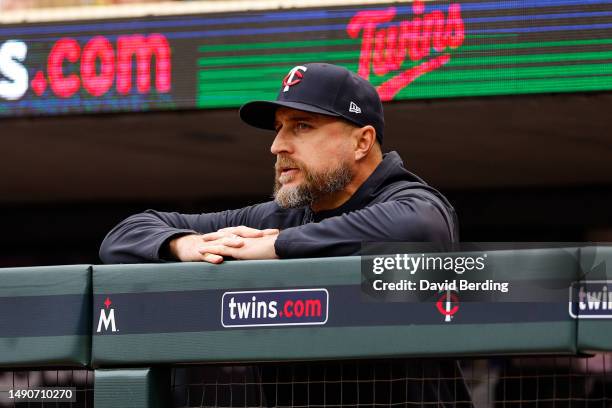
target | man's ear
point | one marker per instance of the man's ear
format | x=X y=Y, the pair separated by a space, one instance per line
x=365 y=138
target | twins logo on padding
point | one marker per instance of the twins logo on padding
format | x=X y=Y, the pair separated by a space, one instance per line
x=287 y=307
x=107 y=318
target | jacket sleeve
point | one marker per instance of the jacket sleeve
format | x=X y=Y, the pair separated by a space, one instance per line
x=140 y=238
x=407 y=219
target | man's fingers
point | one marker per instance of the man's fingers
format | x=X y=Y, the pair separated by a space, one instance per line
x=220 y=250
x=232 y=242
x=271 y=231
x=212 y=258
x=241 y=231
x=213 y=236
x=247 y=232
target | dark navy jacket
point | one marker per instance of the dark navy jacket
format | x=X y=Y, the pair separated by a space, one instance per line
x=392 y=205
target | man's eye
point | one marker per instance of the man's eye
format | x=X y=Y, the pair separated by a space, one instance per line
x=302 y=126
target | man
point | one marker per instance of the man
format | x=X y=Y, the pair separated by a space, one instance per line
x=334 y=188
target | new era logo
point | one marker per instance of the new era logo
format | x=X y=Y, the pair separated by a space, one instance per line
x=354 y=108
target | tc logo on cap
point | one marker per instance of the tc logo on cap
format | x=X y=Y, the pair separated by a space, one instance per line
x=293 y=77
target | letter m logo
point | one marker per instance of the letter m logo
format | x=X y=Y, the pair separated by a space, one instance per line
x=107 y=320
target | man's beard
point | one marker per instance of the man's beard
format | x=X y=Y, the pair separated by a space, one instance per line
x=314 y=186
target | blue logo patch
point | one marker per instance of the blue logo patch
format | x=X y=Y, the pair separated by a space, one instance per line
x=288 y=307
x=591 y=300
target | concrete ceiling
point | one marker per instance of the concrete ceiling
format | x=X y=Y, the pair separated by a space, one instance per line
x=526 y=141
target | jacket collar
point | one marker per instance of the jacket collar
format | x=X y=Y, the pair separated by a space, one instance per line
x=363 y=195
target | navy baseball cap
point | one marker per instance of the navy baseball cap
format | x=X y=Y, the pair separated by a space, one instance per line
x=321 y=88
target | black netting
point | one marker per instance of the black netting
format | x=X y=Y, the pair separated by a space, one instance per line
x=356 y=383
x=517 y=382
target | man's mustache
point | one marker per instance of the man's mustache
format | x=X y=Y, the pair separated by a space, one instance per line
x=283 y=162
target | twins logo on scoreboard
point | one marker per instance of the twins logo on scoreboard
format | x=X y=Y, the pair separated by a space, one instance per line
x=425 y=40
x=288 y=307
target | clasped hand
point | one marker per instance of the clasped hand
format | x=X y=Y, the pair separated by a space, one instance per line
x=236 y=242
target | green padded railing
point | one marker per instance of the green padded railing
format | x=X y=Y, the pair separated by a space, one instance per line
x=172 y=313
x=117 y=318
x=45 y=316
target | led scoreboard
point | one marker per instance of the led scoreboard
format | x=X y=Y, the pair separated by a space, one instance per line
x=88 y=74
x=408 y=50
x=97 y=65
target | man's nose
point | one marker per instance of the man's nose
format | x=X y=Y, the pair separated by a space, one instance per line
x=280 y=143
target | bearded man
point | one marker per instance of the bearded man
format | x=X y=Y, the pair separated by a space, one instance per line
x=334 y=188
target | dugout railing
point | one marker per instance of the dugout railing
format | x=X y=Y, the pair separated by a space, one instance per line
x=153 y=333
